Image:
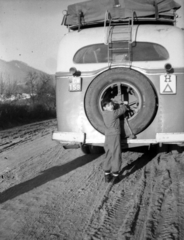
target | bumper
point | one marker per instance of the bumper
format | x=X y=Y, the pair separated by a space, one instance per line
x=170 y=137
x=68 y=137
x=73 y=137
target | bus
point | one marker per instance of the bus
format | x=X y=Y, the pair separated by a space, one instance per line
x=137 y=59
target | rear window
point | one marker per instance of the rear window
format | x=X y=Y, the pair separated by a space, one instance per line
x=140 y=51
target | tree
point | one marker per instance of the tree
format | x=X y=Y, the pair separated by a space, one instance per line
x=2 y=84
x=46 y=91
x=8 y=87
x=31 y=82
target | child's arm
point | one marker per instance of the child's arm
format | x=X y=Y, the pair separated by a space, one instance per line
x=120 y=111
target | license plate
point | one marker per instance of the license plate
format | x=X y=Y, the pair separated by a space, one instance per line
x=75 y=84
x=167 y=84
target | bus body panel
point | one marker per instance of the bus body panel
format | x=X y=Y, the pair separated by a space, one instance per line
x=70 y=105
x=172 y=38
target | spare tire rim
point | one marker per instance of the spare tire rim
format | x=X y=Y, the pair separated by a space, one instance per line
x=119 y=92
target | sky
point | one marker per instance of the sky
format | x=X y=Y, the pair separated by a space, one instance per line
x=30 y=31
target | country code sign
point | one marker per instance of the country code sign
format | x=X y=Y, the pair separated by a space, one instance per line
x=167 y=84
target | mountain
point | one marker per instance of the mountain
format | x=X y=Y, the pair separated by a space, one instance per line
x=17 y=71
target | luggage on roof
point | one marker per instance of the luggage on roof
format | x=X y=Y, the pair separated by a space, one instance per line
x=94 y=10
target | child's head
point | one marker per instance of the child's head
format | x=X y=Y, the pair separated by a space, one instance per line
x=108 y=105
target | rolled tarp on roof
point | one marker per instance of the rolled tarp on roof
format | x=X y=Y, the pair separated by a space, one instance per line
x=94 y=10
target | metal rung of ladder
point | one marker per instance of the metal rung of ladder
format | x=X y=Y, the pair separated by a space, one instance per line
x=112 y=49
x=120 y=35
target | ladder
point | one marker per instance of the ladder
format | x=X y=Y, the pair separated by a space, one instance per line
x=118 y=39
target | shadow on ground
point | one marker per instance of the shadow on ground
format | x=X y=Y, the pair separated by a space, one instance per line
x=58 y=171
x=46 y=176
x=149 y=154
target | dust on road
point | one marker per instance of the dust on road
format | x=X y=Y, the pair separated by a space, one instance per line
x=51 y=193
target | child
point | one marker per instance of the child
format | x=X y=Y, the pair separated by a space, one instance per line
x=112 y=144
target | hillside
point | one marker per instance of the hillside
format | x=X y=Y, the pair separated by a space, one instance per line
x=17 y=71
x=26 y=94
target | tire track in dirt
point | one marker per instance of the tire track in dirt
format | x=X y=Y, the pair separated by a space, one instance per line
x=43 y=170
x=148 y=204
x=24 y=143
x=180 y=195
x=171 y=225
x=30 y=168
x=19 y=135
x=33 y=190
x=161 y=201
x=65 y=211
x=51 y=193
x=107 y=216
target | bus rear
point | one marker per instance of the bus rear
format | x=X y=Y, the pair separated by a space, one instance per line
x=142 y=64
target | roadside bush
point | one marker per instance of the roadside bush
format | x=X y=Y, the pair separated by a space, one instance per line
x=12 y=114
x=40 y=112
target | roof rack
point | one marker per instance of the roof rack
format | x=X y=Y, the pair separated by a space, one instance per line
x=168 y=17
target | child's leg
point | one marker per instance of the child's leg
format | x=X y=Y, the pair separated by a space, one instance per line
x=107 y=157
x=116 y=154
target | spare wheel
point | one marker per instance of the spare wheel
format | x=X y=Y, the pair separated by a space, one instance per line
x=122 y=84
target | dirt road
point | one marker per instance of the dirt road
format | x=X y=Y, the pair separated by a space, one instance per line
x=50 y=193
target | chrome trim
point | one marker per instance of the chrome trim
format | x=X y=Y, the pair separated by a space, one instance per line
x=73 y=137
x=142 y=70
x=68 y=136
